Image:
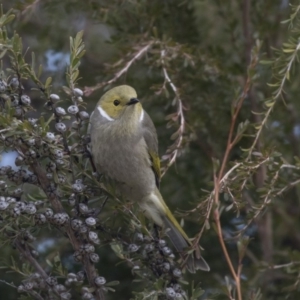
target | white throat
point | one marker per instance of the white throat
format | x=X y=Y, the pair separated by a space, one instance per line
x=104 y=114
x=142 y=116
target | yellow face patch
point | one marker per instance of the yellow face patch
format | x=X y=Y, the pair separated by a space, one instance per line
x=115 y=101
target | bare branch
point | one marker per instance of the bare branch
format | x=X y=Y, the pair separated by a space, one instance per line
x=171 y=157
x=137 y=55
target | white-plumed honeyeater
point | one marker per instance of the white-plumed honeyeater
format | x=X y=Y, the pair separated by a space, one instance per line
x=124 y=147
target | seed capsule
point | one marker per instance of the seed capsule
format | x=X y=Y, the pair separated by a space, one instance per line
x=177 y=273
x=30 y=209
x=90 y=221
x=14 y=83
x=49 y=213
x=78 y=92
x=94 y=257
x=60 y=127
x=170 y=292
x=83 y=115
x=133 y=248
x=25 y=100
x=3 y=86
x=50 y=136
x=76 y=224
x=60 y=111
x=54 y=98
x=40 y=219
x=99 y=280
x=73 y=109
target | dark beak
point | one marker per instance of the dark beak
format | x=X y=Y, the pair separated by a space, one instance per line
x=133 y=101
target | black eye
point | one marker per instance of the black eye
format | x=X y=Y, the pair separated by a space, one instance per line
x=116 y=102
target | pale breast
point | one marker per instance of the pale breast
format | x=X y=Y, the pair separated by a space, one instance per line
x=124 y=160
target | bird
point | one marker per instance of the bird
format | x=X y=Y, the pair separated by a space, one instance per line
x=124 y=147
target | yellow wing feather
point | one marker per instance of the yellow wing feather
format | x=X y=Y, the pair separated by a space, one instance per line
x=155 y=166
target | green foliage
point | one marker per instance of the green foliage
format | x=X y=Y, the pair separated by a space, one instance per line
x=224 y=97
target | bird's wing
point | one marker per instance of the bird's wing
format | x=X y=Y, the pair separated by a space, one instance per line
x=150 y=136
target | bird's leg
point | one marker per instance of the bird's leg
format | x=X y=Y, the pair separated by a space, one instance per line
x=156 y=231
x=88 y=153
x=97 y=211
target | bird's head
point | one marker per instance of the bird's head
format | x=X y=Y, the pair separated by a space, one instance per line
x=120 y=102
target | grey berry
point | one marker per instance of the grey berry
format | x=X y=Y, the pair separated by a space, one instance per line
x=51 y=281
x=77 y=256
x=30 y=209
x=83 y=208
x=25 y=99
x=177 y=272
x=87 y=296
x=32 y=121
x=87 y=248
x=149 y=248
x=14 y=83
x=3 y=205
x=166 y=267
x=60 y=127
x=60 y=111
x=90 y=221
x=49 y=213
x=93 y=237
x=94 y=257
x=49 y=175
x=60 y=218
x=166 y=251
x=76 y=224
x=99 y=280
x=170 y=292
x=19 y=161
x=54 y=98
x=73 y=109
x=133 y=247
x=3 y=86
x=30 y=142
x=80 y=275
x=83 y=229
x=18 y=111
x=78 y=92
x=58 y=153
x=50 y=136
x=83 y=115
x=139 y=237
x=40 y=219
x=162 y=243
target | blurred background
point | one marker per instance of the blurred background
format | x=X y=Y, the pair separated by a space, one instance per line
x=208 y=48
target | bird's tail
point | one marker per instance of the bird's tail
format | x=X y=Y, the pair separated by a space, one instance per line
x=156 y=209
x=194 y=261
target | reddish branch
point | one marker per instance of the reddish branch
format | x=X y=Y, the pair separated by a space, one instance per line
x=231 y=142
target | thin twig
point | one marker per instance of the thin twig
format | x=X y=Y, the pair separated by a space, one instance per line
x=7 y=283
x=231 y=141
x=89 y=268
x=210 y=201
x=292 y=263
x=276 y=95
x=290 y=185
x=23 y=248
x=235 y=275
x=267 y=200
x=89 y=90
x=178 y=143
